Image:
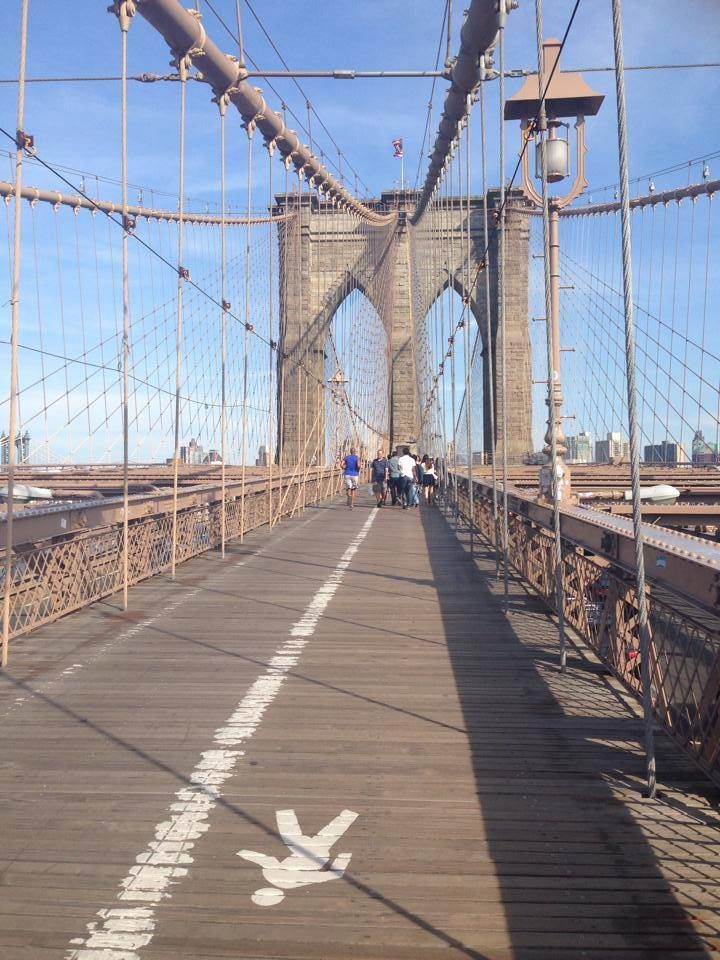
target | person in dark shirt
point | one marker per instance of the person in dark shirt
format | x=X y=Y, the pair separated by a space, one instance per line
x=394 y=477
x=378 y=475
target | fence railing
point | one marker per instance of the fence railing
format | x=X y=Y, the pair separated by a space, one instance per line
x=66 y=573
x=601 y=606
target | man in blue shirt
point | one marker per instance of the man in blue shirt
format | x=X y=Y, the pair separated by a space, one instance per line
x=351 y=472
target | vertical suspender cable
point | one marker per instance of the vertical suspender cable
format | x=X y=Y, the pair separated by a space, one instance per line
x=269 y=450
x=643 y=623
x=15 y=323
x=468 y=318
x=125 y=10
x=182 y=70
x=246 y=336
x=282 y=328
x=490 y=384
x=222 y=105
x=501 y=306
x=450 y=250
x=549 y=327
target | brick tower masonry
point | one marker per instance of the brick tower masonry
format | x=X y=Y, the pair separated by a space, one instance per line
x=326 y=253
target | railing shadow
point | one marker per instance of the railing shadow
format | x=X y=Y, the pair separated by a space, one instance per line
x=583 y=865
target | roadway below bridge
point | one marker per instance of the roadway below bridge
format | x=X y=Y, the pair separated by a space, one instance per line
x=333 y=743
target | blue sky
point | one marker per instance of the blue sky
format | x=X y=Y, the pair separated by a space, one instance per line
x=77 y=124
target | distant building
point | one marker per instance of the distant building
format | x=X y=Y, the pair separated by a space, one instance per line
x=703 y=451
x=213 y=457
x=614 y=449
x=22 y=448
x=262 y=457
x=665 y=452
x=193 y=453
x=579 y=448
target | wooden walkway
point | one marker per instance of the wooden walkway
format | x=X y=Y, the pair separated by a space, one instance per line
x=346 y=663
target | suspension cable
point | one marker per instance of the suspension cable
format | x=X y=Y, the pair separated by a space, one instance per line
x=490 y=381
x=643 y=623
x=21 y=143
x=501 y=311
x=183 y=68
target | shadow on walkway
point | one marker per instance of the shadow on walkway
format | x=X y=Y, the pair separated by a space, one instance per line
x=584 y=866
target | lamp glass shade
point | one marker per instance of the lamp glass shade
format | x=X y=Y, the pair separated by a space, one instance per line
x=557 y=153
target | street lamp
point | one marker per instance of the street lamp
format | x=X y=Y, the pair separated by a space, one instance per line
x=568 y=95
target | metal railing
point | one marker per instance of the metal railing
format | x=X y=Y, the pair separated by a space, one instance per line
x=70 y=572
x=601 y=606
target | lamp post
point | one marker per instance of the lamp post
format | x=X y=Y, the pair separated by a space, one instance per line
x=567 y=95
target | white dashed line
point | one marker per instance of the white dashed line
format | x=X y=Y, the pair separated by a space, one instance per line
x=122 y=931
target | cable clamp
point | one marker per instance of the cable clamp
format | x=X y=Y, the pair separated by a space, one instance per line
x=25 y=142
x=249 y=327
x=124 y=10
x=226 y=305
x=242 y=73
x=184 y=61
x=129 y=223
x=223 y=99
x=252 y=123
x=273 y=344
x=183 y=273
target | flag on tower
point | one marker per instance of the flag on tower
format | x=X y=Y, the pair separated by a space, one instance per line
x=398 y=148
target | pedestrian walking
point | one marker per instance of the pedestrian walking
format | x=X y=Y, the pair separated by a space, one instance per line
x=394 y=477
x=407 y=476
x=379 y=476
x=417 y=481
x=351 y=473
x=430 y=480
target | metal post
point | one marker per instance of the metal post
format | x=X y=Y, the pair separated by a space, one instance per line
x=555 y=429
x=20 y=145
x=551 y=263
x=643 y=621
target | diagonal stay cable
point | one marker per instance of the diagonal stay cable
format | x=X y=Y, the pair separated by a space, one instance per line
x=501 y=209
x=156 y=253
x=292 y=113
x=428 y=121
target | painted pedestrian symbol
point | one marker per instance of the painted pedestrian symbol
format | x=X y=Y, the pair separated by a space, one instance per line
x=309 y=860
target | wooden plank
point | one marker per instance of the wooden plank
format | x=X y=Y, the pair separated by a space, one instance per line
x=499 y=814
